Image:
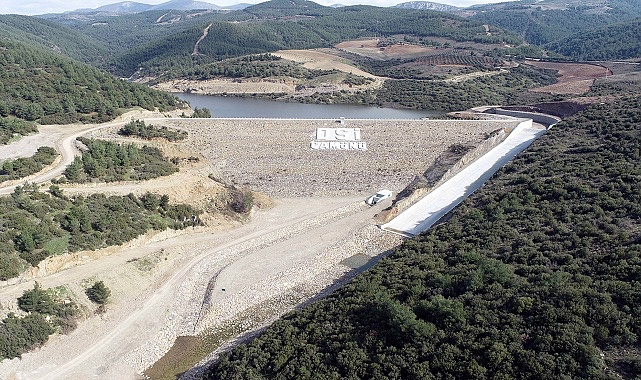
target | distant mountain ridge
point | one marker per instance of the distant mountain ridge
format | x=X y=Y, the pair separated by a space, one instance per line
x=548 y=21
x=122 y=7
x=427 y=5
x=128 y=7
x=123 y=43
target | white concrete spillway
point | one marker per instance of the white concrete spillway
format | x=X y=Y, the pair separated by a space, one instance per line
x=424 y=213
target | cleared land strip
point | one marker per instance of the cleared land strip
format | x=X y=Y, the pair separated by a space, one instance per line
x=196 y=46
x=63 y=138
x=318 y=60
x=444 y=198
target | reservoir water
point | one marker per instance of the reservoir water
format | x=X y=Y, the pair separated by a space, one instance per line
x=233 y=107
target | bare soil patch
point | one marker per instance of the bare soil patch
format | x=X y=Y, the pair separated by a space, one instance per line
x=228 y=86
x=369 y=48
x=574 y=79
x=321 y=60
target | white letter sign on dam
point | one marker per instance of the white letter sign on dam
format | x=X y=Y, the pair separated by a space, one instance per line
x=338 y=139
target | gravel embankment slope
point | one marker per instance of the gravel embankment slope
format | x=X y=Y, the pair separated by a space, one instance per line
x=274 y=156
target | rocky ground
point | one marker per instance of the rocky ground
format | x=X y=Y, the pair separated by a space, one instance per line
x=274 y=156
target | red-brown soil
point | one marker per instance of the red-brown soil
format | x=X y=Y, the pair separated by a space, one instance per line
x=575 y=78
x=369 y=48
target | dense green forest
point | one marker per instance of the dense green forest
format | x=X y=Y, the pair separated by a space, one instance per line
x=547 y=21
x=148 y=41
x=504 y=88
x=26 y=166
x=42 y=86
x=536 y=276
x=50 y=35
x=124 y=32
x=541 y=27
x=36 y=224
x=163 y=41
x=619 y=41
x=109 y=162
x=250 y=66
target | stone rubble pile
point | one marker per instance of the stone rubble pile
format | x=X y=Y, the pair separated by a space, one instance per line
x=274 y=156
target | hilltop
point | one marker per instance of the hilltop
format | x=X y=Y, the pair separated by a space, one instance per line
x=46 y=87
x=547 y=21
x=428 y=5
x=158 y=41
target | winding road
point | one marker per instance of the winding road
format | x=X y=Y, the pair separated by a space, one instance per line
x=287 y=246
x=66 y=147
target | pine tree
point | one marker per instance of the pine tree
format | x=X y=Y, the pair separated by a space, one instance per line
x=99 y=293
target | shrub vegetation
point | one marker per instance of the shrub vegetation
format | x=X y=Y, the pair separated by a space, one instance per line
x=36 y=225
x=48 y=312
x=140 y=129
x=99 y=293
x=11 y=127
x=24 y=167
x=108 y=161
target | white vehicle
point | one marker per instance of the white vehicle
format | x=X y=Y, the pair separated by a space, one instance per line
x=374 y=199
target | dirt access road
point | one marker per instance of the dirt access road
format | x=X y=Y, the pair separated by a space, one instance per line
x=111 y=347
x=62 y=138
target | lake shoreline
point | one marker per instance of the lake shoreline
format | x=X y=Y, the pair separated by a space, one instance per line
x=231 y=106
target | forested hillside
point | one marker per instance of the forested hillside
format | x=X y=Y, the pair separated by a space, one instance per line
x=38 y=85
x=620 y=41
x=52 y=36
x=109 y=162
x=549 y=21
x=536 y=276
x=159 y=42
x=509 y=88
x=566 y=27
x=39 y=224
x=124 y=32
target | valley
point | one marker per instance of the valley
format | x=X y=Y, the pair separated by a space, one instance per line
x=243 y=248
